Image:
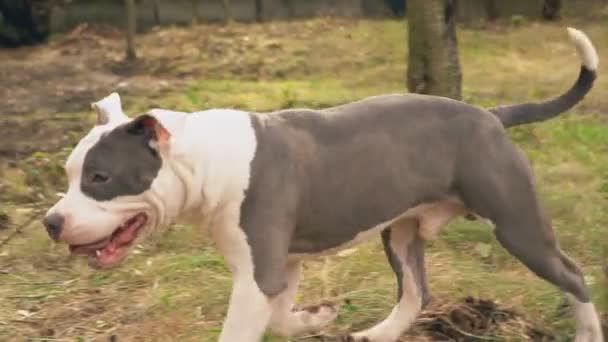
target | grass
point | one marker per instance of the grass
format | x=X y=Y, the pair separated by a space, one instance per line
x=176 y=286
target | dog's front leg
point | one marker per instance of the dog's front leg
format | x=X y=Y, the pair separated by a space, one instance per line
x=248 y=314
x=249 y=309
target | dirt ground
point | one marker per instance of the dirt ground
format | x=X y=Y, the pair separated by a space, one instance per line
x=72 y=70
x=63 y=76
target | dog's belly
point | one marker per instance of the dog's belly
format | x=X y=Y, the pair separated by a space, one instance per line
x=427 y=219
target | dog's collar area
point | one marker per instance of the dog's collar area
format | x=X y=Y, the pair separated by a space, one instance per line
x=113 y=248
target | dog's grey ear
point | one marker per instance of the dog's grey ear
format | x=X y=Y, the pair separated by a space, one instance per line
x=173 y=122
x=158 y=126
x=150 y=127
x=109 y=109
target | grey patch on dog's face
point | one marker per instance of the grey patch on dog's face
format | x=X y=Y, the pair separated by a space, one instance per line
x=121 y=163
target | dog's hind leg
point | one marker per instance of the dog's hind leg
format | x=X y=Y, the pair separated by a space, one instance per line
x=540 y=252
x=504 y=193
x=405 y=250
x=415 y=258
x=288 y=322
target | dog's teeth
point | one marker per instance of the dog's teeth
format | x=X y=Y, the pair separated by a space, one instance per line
x=98 y=252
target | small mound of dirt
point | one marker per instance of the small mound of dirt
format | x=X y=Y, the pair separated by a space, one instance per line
x=5 y=220
x=474 y=319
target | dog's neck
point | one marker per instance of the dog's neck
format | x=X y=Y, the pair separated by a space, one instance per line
x=210 y=162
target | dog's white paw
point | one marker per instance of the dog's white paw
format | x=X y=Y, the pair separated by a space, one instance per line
x=589 y=328
x=307 y=320
x=352 y=338
x=589 y=334
x=372 y=335
x=318 y=316
x=356 y=338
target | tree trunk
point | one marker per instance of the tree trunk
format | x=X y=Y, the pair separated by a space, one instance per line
x=551 y=9
x=291 y=11
x=259 y=10
x=227 y=11
x=131 y=26
x=434 y=66
x=491 y=9
x=195 y=15
x=24 y=22
x=397 y=7
x=156 y=11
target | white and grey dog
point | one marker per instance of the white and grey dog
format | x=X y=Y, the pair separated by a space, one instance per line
x=273 y=189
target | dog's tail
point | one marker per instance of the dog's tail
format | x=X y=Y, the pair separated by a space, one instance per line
x=520 y=114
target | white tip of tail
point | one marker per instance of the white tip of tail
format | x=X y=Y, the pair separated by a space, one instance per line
x=585 y=48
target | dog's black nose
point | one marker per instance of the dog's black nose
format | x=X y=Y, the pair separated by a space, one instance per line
x=53 y=224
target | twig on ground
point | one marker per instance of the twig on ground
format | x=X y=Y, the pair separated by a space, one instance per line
x=38 y=283
x=97 y=331
x=318 y=335
x=28 y=296
x=455 y=327
x=33 y=217
x=31 y=321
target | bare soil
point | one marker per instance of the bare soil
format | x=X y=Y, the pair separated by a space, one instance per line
x=71 y=71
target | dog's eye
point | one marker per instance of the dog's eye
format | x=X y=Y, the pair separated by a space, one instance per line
x=100 y=177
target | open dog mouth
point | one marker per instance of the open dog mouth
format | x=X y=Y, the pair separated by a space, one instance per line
x=113 y=248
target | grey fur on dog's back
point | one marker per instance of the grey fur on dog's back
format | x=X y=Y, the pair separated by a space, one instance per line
x=336 y=157
x=319 y=178
x=319 y=153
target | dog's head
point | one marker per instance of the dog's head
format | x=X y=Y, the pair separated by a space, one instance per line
x=121 y=184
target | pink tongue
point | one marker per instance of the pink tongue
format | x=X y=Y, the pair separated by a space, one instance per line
x=121 y=239
x=125 y=236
